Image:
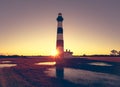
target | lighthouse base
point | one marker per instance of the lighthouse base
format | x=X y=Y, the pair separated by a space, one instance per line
x=59 y=61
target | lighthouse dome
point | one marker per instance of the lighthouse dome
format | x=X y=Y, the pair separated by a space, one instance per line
x=60 y=18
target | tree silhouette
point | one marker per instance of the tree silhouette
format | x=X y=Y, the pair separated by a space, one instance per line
x=118 y=53
x=114 y=52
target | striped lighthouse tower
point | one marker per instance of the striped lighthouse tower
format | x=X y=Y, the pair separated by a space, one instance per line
x=60 y=41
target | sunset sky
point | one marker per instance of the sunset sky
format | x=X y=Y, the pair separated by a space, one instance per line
x=29 y=27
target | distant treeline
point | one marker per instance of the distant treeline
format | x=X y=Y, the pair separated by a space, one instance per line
x=10 y=56
x=99 y=55
x=19 y=56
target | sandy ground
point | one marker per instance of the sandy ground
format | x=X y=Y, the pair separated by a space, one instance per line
x=26 y=74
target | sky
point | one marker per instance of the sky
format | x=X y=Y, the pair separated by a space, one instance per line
x=29 y=27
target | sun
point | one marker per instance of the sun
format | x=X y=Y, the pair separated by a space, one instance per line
x=54 y=53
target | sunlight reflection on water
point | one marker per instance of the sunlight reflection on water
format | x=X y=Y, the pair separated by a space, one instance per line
x=45 y=63
x=99 y=64
x=6 y=61
x=7 y=65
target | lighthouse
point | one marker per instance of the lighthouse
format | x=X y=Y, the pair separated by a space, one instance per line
x=60 y=41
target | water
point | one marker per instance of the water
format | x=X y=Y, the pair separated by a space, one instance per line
x=45 y=63
x=90 y=74
x=6 y=61
x=85 y=77
x=100 y=64
x=7 y=65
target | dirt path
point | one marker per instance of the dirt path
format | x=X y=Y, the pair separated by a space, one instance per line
x=2 y=78
x=10 y=79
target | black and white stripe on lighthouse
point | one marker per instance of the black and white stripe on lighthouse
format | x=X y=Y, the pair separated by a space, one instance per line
x=60 y=41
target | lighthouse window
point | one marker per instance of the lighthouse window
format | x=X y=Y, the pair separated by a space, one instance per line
x=60 y=30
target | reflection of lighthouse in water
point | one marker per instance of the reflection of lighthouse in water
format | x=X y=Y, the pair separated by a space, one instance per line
x=60 y=41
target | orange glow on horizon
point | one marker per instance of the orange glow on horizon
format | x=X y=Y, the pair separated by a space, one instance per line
x=55 y=53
